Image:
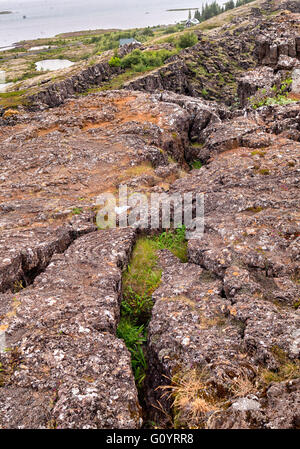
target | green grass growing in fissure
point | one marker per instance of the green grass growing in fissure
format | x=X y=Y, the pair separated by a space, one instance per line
x=141 y=278
x=196 y=165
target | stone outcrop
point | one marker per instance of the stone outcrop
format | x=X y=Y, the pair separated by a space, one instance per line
x=172 y=76
x=280 y=38
x=296 y=81
x=56 y=93
x=261 y=78
x=251 y=130
x=277 y=50
x=278 y=409
x=292 y=6
x=128 y=48
x=71 y=369
x=62 y=328
x=223 y=340
x=229 y=315
x=199 y=72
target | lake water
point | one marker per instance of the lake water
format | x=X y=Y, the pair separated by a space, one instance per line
x=53 y=64
x=46 y=18
x=3 y=85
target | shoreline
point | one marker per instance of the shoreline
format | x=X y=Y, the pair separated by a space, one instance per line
x=84 y=33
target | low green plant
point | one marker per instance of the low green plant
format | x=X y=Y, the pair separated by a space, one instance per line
x=141 y=61
x=137 y=307
x=141 y=278
x=13 y=99
x=77 y=210
x=115 y=61
x=174 y=241
x=196 y=165
x=187 y=40
x=275 y=96
x=134 y=337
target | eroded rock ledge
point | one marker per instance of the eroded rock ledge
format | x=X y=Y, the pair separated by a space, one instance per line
x=72 y=370
x=231 y=312
x=227 y=313
x=225 y=325
x=60 y=279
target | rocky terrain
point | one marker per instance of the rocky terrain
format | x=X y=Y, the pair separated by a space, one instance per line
x=224 y=336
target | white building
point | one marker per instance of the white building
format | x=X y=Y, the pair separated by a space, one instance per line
x=191 y=22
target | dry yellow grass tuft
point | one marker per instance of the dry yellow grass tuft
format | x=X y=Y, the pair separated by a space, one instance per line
x=137 y=170
x=193 y=398
x=10 y=113
x=242 y=386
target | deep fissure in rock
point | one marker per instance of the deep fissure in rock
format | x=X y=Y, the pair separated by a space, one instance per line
x=28 y=273
x=140 y=280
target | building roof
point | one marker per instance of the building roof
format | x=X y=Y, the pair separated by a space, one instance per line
x=193 y=21
x=131 y=40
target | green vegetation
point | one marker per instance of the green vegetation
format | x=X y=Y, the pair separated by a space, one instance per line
x=139 y=61
x=140 y=280
x=264 y=171
x=12 y=99
x=214 y=9
x=134 y=337
x=109 y=41
x=296 y=304
x=287 y=370
x=187 y=40
x=77 y=210
x=174 y=28
x=115 y=61
x=196 y=165
x=276 y=96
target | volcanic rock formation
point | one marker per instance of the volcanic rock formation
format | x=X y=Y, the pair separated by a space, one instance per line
x=224 y=337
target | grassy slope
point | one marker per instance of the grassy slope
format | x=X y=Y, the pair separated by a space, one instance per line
x=86 y=48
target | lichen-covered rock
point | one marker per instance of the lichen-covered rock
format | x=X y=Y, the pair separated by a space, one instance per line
x=244 y=301
x=277 y=409
x=71 y=381
x=54 y=164
x=224 y=342
x=28 y=252
x=287 y=63
x=279 y=38
x=56 y=93
x=250 y=82
x=296 y=81
x=70 y=370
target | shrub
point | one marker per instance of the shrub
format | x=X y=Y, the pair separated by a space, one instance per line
x=140 y=67
x=187 y=40
x=196 y=165
x=147 y=32
x=274 y=96
x=140 y=61
x=115 y=61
